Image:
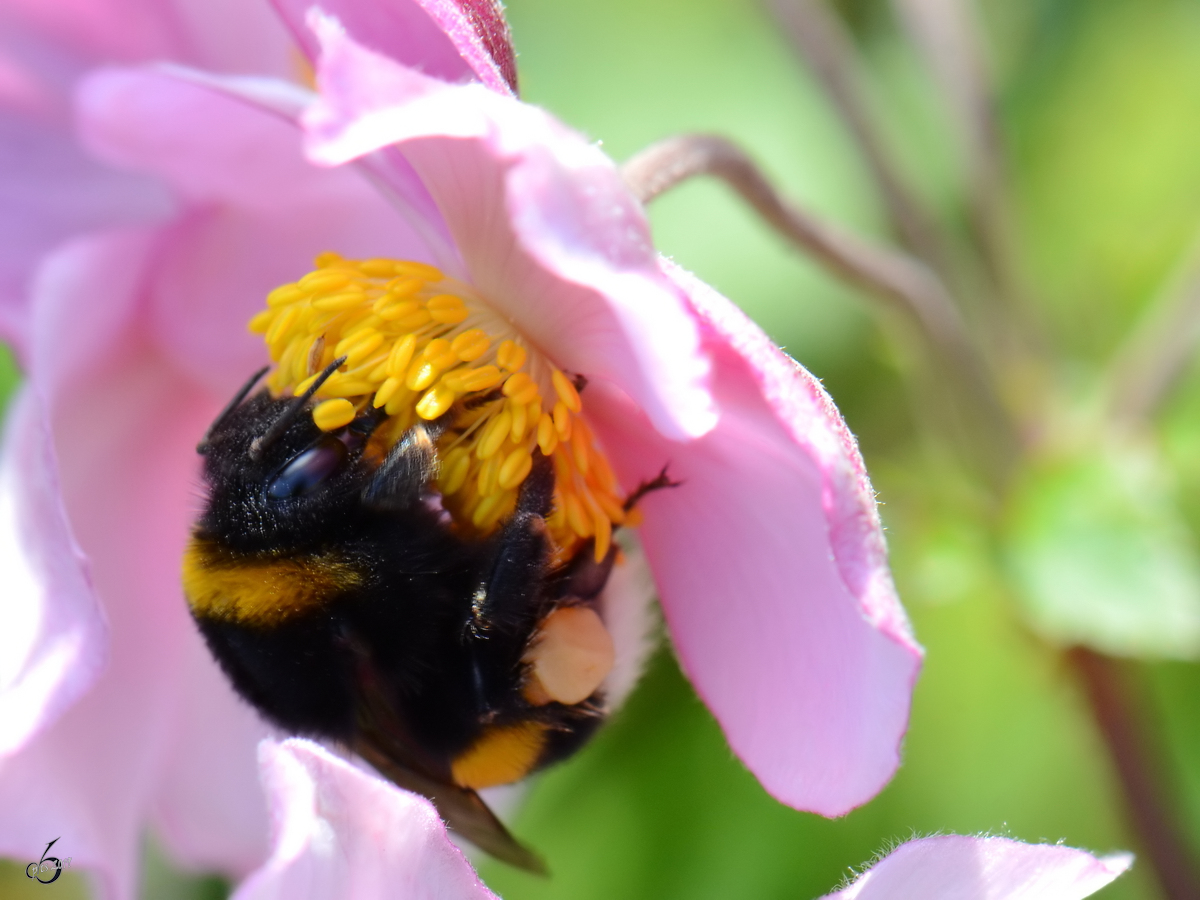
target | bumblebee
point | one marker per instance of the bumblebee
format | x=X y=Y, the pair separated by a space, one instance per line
x=334 y=592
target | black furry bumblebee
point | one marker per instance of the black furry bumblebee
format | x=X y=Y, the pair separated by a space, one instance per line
x=340 y=602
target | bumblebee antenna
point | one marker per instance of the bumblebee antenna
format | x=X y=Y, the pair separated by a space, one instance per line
x=233 y=404
x=280 y=425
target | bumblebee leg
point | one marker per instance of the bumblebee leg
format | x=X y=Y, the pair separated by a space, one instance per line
x=506 y=603
x=407 y=471
x=657 y=483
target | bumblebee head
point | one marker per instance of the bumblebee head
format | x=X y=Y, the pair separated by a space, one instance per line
x=275 y=478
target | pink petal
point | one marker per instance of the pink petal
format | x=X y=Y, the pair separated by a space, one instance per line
x=453 y=40
x=53 y=637
x=50 y=191
x=125 y=425
x=208 y=804
x=549 y=234
x=57 y=633
x=771 y=570
x=222 y=35
x=339 y=832
x=258 y=212
x=951 y=867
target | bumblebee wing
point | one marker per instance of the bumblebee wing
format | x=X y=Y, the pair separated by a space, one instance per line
x=382 y=740
x=462 y=809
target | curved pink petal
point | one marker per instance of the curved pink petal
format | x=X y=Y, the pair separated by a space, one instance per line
x=950 y=867
x=53 y=637
x=339 y=832
x=125 y=426
x=55 y=633
x=770 y=566
x=258 y=212
x=50 y=189
x=452 y=40
x=549 y=234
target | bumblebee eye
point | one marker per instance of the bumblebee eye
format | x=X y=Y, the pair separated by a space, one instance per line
x=308 y=471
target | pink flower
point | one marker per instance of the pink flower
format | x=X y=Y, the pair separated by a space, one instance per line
x=339 y=833
x=769 y=562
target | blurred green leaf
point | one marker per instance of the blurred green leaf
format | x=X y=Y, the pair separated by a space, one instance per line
x=1102 y=556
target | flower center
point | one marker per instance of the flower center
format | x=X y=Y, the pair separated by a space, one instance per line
x=420 y=345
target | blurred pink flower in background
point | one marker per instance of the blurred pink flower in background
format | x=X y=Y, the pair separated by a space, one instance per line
x=157 y=215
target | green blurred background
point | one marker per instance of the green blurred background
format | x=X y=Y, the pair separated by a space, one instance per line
x=1100 y=107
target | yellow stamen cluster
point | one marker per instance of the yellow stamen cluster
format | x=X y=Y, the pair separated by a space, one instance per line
x=419 y=345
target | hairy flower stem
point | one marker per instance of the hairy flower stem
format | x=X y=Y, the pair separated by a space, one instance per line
x=1116 y=712
x=899 y=281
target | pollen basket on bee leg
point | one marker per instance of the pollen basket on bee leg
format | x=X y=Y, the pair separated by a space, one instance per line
x=422 y=346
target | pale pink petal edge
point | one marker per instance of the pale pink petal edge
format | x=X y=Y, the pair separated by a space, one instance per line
x=954 y=867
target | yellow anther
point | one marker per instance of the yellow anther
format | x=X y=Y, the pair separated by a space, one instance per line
x=439 y=353
x=386 y=392
x=338 y=302
x=603 y=535
x=486 y=510
x=288 y=293
x=454 y=470
x=547 y=436
x=282 y=324
x=362 y=347
x=435 y=402
x=400 y=401
x=261 y=322
x=421 y=374
x=412 y=321
x=447 y=309
x=566 y=391
x=469 y=381
x=603 y=473
x=613 y=508
x=515 y=468
x=581 y=445
x=304 y=385
x=333 y=414
x=345 y=387
x=577 y=516
x=488 y=473
x=404 y=287
x=418 y=270
x=494 y=434
x=520 y=419
x=377 y=268
x=401 y=355
x=510 y=355
x=515 y=383
x=562 y=421
x=471 y=344
x=324 y=281
x=391 y=309
x=327 y=259
x=360 y=324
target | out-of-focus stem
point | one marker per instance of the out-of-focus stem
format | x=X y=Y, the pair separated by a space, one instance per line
x=1156 y=356
x=1115 y=711
x=902 y=283
x=823 y=44
x=945 y=33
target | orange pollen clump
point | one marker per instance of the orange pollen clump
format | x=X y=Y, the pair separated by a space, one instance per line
x=421 y=345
